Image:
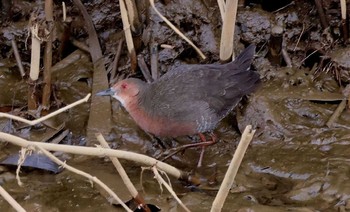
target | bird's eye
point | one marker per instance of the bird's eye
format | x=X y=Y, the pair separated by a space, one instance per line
x=124 y=85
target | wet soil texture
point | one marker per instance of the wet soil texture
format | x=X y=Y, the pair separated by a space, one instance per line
x=296 y=162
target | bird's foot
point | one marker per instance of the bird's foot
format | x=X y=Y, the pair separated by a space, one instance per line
x=203 y=143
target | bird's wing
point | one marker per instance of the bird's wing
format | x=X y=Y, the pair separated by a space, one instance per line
x=202 y=93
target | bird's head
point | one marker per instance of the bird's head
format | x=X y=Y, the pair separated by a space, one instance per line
x=126 y=91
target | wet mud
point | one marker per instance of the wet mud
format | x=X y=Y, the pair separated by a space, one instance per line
x=295 y=161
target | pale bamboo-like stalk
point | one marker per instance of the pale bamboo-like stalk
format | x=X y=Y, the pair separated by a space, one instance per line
x=222 y=5
x=34 y=122
x=228 y=30
x=177 y=31
x=336 y=113
x=18 y=57
x=64 y=11
x=11 y=200
x=133 y=15
x=93 y=151
x=35 y=54
x=128 y=35
x=343 y=9
x=232 y=170
x=133 y=191
x=167 y=186
x=154 y=61
x=84 y=174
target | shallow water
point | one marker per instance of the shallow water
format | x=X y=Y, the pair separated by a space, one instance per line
x=295 y=162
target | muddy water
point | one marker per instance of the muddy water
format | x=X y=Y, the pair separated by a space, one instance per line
x=294 y=162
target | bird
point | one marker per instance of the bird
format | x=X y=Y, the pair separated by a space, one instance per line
x=189 y=99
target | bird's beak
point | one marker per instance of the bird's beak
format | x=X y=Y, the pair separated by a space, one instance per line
x=108 y=92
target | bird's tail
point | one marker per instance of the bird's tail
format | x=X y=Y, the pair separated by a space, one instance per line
x=245 y=59
x=239 y=70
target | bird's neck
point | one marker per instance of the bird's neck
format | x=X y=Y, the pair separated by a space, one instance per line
x=140 y=116
x=131 y=105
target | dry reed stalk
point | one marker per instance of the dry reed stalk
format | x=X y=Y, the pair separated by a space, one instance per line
x=222 y=5
x=228 y=30
x=11 y=200
x=48 y=56
x=343 y=9
x=128 y=35
x=83 y=174
x=36 y=121
x=144 y=69
x=35 y=53
x=116 y=61
x=64 y=11
x=154 y=60
x=344 y=20
x=18 y=58
x=321 y=13
x=34 y=67
x=93 y=151
x=129 y=185
x=232 y=170
x=336 y=113
x=133 y=15
x=177 y=31
x=161 y=181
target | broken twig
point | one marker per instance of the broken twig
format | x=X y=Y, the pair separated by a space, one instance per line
x=232 y=170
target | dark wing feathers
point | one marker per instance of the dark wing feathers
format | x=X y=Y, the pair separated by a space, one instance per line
x=203 y=93
x=244 y=60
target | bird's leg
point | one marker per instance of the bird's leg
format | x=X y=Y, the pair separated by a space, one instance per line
x=199 y=164
x=205 y=143
x=204 y=140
